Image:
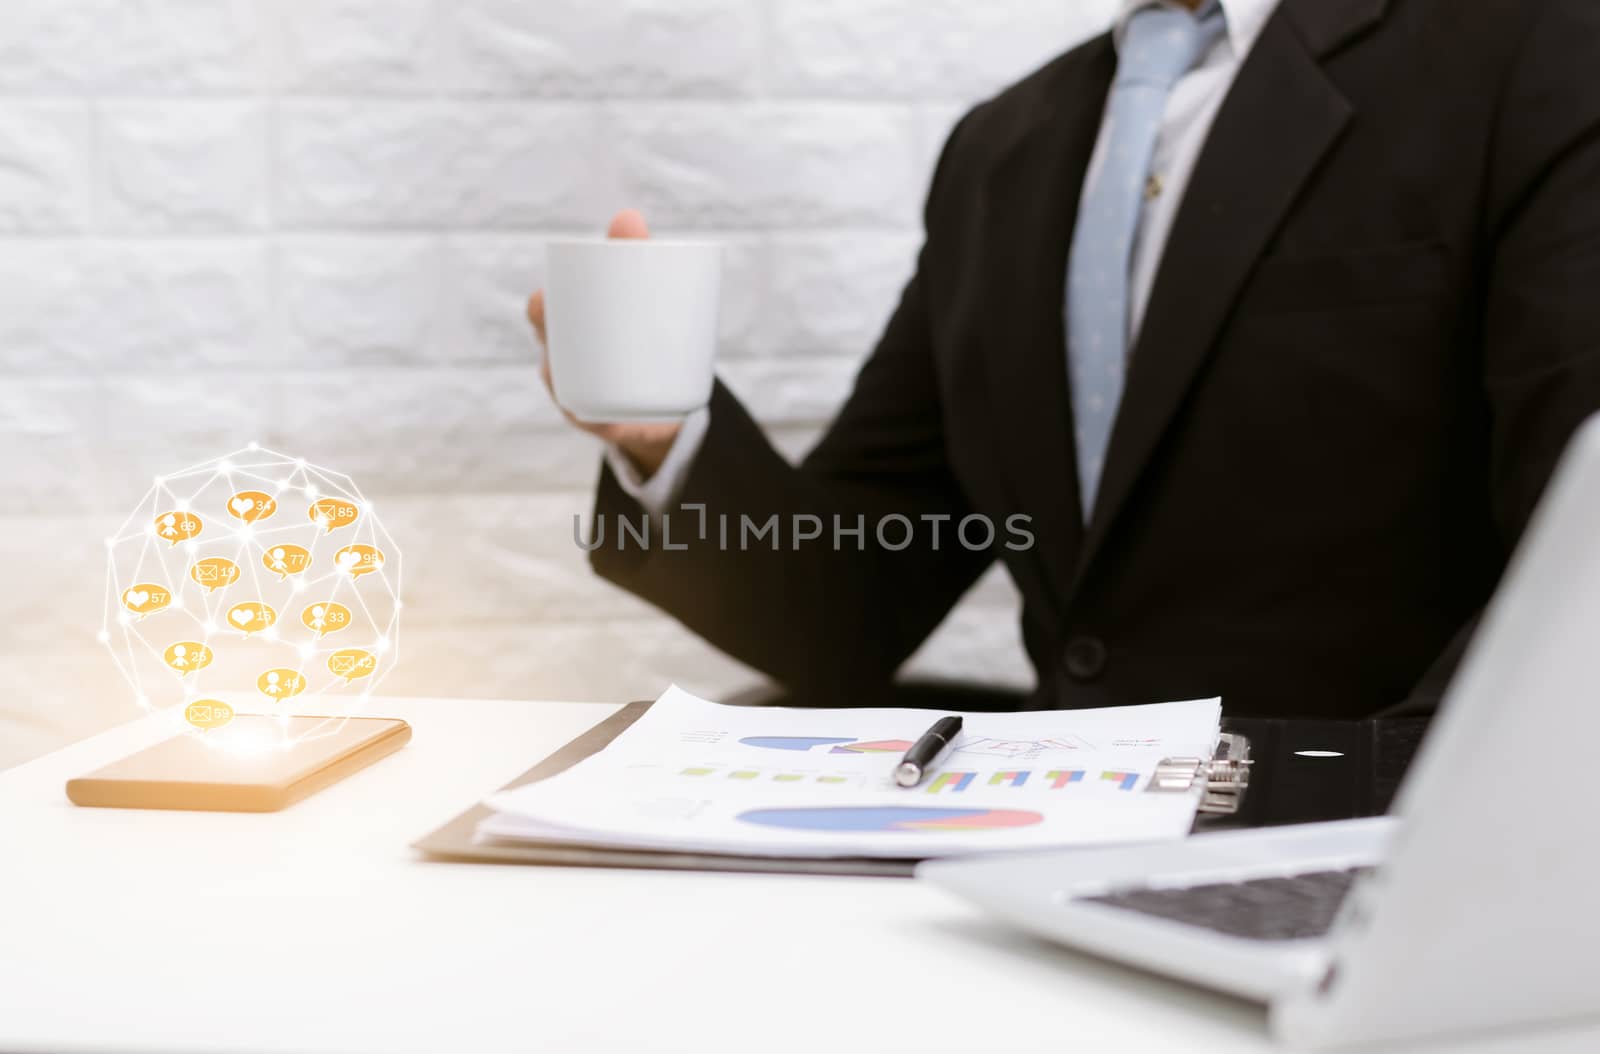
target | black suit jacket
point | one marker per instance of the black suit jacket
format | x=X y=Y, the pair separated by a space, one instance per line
x=1376 y=323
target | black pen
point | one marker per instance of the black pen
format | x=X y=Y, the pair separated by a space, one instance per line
x=920 y=757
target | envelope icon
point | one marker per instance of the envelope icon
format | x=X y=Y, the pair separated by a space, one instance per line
x=207 y=572
x=342 y=664
x=199 y=714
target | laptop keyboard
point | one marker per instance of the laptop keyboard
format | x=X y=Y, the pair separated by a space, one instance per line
x=1282 y=908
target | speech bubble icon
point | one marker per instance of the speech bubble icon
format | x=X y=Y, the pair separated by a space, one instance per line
x=285 y=560
x=178 y=527
x=351 y=663
x=214 y=572
x=281 y=683
x=325 y=617
x=208 y=713
x=359 y=559
x=146 y=598
x=252 y=505
x=252 y=616
x=332 y=513
x=187 y=656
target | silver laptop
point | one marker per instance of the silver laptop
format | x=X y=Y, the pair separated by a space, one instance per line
x=1475 y=905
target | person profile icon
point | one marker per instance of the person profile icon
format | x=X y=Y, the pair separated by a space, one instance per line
x=273 y=686
x=319 y=617
x=180 y=656
x=169 y=525
x=278 y=562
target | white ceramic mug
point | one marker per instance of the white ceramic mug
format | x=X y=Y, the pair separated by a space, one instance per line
x=631 y=326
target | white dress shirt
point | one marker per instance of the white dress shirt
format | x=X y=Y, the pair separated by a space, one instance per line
x=1185 y=126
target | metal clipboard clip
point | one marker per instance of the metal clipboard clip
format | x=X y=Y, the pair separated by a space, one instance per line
x=1223 y=777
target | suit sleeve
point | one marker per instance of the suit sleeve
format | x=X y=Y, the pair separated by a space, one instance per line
x=834 y=617
x=1541 y=357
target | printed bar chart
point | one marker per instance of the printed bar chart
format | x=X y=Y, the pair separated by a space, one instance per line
x=1061 y=777
x=1012 y=779
x=1124 y=780
x=952 y=781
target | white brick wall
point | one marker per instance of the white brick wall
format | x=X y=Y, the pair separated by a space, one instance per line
x=313 y=223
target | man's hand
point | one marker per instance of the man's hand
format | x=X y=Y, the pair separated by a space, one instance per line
x=645 y=444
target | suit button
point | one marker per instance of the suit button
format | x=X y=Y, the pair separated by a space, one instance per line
x=1086 y=657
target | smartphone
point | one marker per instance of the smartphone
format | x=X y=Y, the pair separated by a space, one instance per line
x=255 y=763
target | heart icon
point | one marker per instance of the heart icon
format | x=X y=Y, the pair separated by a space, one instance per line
x=137 y=598
x=242 y=506
x=349 y=559
x=241 y=615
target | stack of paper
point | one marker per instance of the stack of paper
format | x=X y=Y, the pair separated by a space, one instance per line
x=696 y=776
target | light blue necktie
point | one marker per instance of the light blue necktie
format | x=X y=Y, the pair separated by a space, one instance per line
x=1159 y=45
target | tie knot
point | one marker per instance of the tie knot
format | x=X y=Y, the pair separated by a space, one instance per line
x=1161 y=43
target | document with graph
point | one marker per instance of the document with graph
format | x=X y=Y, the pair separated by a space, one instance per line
x=698 y=776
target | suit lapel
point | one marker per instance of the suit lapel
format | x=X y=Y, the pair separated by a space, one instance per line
x=1279 y=120
x=1030 y=203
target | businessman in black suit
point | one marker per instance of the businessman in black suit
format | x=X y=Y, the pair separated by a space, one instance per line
x=1361 y=327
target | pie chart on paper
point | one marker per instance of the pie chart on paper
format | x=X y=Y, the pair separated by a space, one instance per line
x=837 y=744
x=903 y=819
x=794 y=742
x=877 y=746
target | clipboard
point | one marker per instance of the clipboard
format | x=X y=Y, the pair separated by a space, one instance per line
x=1225 y=778
x=457 y=839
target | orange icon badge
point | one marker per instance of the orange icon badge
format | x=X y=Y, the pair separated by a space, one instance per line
x=214 y=572
x=358 y=559
x=146 y=598
x=332 y=513
x=252 y=505
x=325 y=618
x=177 y=527
x=208 y=713
x=351 y=663
x=187 y=656
x=281 y=683
x=252 y=616
x=285 y=560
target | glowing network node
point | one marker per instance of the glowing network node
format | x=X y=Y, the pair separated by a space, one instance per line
x=229 y=586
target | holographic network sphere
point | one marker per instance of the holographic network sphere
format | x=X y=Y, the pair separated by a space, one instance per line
x=254 y=583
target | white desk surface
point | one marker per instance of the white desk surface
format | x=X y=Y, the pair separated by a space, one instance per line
x=318 y=929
